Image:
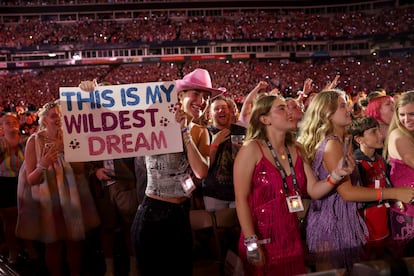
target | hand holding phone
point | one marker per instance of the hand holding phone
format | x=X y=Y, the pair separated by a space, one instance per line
x=48 y=146
x=110 y=174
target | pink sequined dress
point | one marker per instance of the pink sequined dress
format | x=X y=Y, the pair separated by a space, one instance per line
x=402 y=221
x=272 y=220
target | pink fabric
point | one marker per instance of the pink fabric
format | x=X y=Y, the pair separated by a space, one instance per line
x=271 y=217
x=402 y=222
x=335 y=231
x=402 y=175
x=199 y=79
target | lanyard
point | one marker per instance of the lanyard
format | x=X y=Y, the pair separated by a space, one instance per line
x=282 y=171
x=384 y=175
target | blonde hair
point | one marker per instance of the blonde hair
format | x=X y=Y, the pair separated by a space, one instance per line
x=404 y=99
x=316 y=124
x=256 y=129
x=43 y=112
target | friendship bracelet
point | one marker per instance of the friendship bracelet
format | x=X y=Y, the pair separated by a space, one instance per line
x=187 y=140
x=250 y=240
x=334 y=178
x=184 y=129
x=187 y=135
x=251 y=243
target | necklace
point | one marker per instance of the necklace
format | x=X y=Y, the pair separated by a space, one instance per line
x=282 y=155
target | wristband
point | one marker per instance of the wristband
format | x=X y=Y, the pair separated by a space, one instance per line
x=330 y=181
x=379 y=195
x=214 y=146
x=302 y=95
x=251 y=239
x=184 y=129
x=252 y=243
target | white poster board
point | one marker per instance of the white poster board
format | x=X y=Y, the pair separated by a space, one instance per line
x=119 y=121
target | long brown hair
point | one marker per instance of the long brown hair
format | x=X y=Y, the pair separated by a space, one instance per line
x=256 y=129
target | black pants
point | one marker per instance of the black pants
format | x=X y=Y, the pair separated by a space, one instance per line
x=8 y=194
x=162 y=239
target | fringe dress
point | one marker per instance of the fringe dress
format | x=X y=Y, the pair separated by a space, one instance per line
x=272 y=219
x=335 y=232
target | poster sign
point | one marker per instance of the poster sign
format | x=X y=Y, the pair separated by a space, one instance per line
x=118 y=121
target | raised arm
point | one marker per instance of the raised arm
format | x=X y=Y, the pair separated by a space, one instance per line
x=196 y=143
x=248 y=103
x=35 y=168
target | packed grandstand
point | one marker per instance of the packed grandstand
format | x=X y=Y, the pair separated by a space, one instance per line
x=47 y=44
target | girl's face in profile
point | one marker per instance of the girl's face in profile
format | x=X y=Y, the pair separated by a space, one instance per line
x=387 y=111
x=280 y=117
x=53 y=118
x=406 y=116
x=10 y=124
x=342 y=116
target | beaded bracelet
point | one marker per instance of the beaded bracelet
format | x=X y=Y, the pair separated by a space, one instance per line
x=251 y=243
x=250 y=239
x=184 y=129
x=334 y=178
x=187 y=140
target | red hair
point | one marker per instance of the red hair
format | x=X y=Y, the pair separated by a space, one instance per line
x=374 y=106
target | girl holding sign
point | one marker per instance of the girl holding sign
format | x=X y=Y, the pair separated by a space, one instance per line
x=161 y=232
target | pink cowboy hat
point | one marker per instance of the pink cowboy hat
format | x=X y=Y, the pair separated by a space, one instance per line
x=199 y=79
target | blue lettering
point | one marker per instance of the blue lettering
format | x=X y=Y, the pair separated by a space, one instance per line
x=153 y=96
x=68 y=100
x=168 y=91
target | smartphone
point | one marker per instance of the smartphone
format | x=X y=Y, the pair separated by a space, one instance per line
x=48 y=146
x=347 y=141
x=111 y=174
